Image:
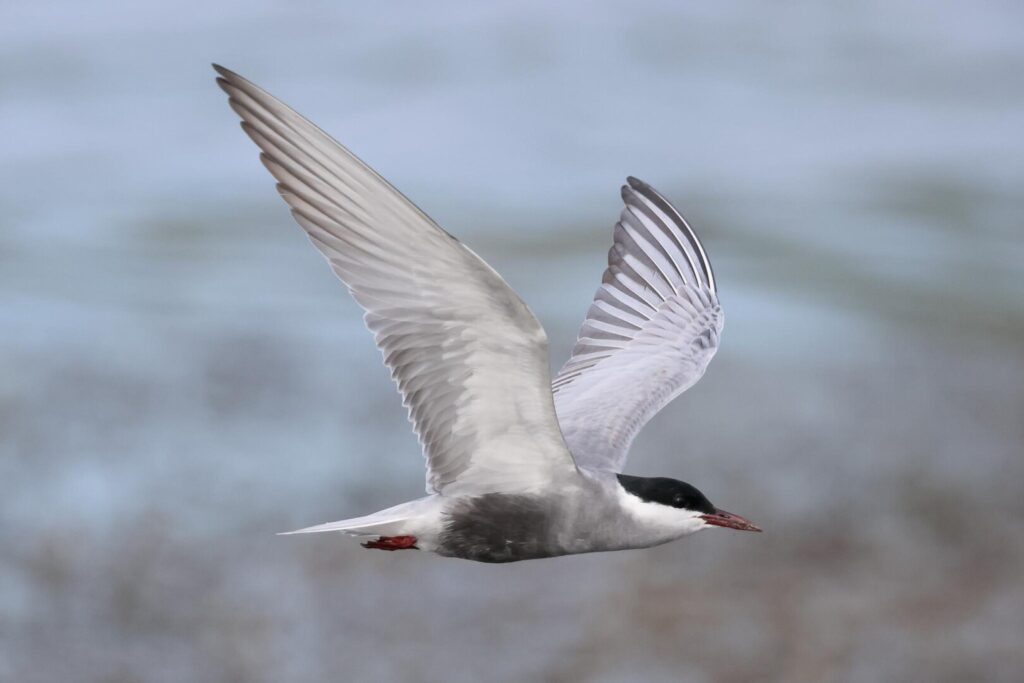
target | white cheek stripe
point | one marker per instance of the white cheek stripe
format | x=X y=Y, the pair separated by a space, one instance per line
x=657 y=517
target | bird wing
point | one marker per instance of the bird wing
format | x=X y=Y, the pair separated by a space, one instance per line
x=650 y=333
x=469 y=357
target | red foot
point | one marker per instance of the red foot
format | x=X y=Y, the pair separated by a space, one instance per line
x=393 y=543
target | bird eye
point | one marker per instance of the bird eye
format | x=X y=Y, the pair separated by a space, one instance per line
x=677 y=500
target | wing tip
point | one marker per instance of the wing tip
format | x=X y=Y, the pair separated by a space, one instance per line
x=645 y=190
x=232 y=83
x=224 y=72
x=635 y=185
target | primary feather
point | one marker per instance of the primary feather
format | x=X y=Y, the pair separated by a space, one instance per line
x=469 y=357
x=649 y=335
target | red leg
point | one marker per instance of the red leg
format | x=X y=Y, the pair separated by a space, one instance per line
x=393 y=543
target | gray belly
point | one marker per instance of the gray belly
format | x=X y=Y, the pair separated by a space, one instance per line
x=499 y=527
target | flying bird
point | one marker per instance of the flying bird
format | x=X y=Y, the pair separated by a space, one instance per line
x=518 y=466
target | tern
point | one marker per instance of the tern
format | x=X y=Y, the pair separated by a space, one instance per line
x=519 y=466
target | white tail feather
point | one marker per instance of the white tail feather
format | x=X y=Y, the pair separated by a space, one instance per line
x=389 y=522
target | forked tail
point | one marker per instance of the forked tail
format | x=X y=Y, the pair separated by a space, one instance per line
x=393 y=521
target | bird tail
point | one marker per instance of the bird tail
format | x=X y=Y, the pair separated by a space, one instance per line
x=390 y=522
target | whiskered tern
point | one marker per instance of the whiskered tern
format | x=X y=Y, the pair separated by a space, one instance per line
x=518 y=466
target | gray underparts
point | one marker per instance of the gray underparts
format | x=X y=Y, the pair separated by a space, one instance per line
x=498 y=527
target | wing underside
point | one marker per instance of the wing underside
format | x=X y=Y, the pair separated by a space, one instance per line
x=469 y=357
x=650 y=332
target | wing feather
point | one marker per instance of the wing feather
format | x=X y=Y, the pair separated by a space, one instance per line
x=649 y=335
x=469 y=357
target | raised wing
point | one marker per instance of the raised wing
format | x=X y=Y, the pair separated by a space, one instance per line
x=469 y=357
x=649 y=334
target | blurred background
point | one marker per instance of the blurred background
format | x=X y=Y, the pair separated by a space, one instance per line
x=181 y=376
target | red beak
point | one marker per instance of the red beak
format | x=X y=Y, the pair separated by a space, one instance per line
x=729 y=521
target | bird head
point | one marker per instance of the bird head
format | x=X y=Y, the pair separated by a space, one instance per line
x=675 y=498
